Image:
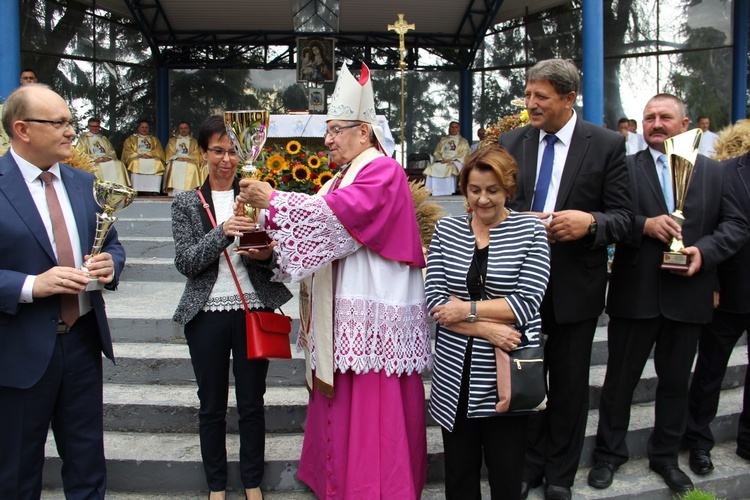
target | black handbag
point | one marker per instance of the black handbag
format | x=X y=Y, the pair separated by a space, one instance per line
x=521 y=382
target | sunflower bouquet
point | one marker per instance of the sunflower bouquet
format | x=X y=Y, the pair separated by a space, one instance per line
x=293 y=168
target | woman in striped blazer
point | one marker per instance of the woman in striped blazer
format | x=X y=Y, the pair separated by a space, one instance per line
x=487 y=272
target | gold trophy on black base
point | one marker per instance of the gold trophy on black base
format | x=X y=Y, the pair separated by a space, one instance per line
x=682 y=152
x=248 y=131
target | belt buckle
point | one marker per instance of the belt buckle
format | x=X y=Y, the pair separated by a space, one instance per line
x=62 y=328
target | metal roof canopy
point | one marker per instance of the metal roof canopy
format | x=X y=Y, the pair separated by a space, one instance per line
x=201 y=33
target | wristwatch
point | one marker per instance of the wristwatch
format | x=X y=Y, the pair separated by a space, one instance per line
x=472 y=317
x=592 y=226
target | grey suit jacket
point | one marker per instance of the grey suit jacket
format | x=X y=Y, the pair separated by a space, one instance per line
x=198 y=248
x=714 y=223
x=594 y=180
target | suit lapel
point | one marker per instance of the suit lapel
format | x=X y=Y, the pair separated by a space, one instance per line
x=13 y=186
x=646 y=164
x=530 y=155
x=743 y=170
x=579 y=145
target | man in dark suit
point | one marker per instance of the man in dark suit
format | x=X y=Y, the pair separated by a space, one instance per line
x=649 y=306
x=581 y=191
x=52 y=332
x=731 y=319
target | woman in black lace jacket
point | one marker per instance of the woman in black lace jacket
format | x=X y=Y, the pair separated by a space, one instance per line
x=213 y=314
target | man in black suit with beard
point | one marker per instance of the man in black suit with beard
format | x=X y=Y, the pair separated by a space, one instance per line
x=649 y=306
x=572 y=173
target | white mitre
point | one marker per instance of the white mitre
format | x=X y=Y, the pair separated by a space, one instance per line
x=354 y=100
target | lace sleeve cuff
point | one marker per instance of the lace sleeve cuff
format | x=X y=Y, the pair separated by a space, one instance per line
x=308 y=232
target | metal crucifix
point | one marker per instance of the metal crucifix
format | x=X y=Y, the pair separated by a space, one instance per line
x=402 y=27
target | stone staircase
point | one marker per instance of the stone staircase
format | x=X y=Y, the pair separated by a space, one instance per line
x=150 y=401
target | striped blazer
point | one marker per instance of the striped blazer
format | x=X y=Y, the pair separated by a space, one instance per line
x=517 y=270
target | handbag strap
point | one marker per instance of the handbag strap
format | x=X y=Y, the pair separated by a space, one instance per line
x=226 y=254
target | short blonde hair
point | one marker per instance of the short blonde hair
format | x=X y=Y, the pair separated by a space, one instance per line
x=733 y=141
x=493 y=158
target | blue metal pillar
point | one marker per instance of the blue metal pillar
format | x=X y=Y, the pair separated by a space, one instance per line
x=10 y=47
x=464 y=104
x=593 y=62
x=162 y=104
x=739 y=59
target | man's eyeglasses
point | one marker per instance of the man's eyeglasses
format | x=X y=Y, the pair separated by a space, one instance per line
x=220 y=152
x=336 y=131
x=58 y=124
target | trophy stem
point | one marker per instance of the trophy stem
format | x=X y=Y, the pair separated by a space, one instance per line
x=103 y=224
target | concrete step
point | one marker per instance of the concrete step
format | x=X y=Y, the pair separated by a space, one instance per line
x=168 y=363
x=148 y=207
x=170 y=462
x=646 y=389
x=144 y=226
x=174 y=409
x=730 y=480
x=148 y=246
x=142 y=310
x=155 y=269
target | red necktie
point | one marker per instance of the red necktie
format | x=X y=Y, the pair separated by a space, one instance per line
x=69 y=310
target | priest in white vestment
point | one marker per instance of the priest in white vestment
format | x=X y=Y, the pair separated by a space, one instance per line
x=356 y=249
x=184 y=162
x=708 y=141
x=143 y=155
x=450 y=153
x=102 y=153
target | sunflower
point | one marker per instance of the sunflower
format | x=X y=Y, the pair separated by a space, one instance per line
x=271 y=180
x=323 y=178
x=276 y=162
x=293 y=147
x=300 y=173
x=313 y=161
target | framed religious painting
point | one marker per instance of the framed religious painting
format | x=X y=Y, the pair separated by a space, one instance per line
x=316 y=99
x=315 y=60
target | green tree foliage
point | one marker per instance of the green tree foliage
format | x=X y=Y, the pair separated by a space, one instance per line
x=195 y=94
x=705 y=83
x=431 y=101
x=96 y=61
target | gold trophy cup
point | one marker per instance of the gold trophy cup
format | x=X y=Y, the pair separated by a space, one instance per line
x=111 y=197
x=248 y=131
x=681 y=151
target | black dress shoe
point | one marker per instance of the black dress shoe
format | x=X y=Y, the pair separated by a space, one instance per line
x=700 y=462
x=557 y=493
x=527 y=486
x=677 y=480
x=602 y=474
